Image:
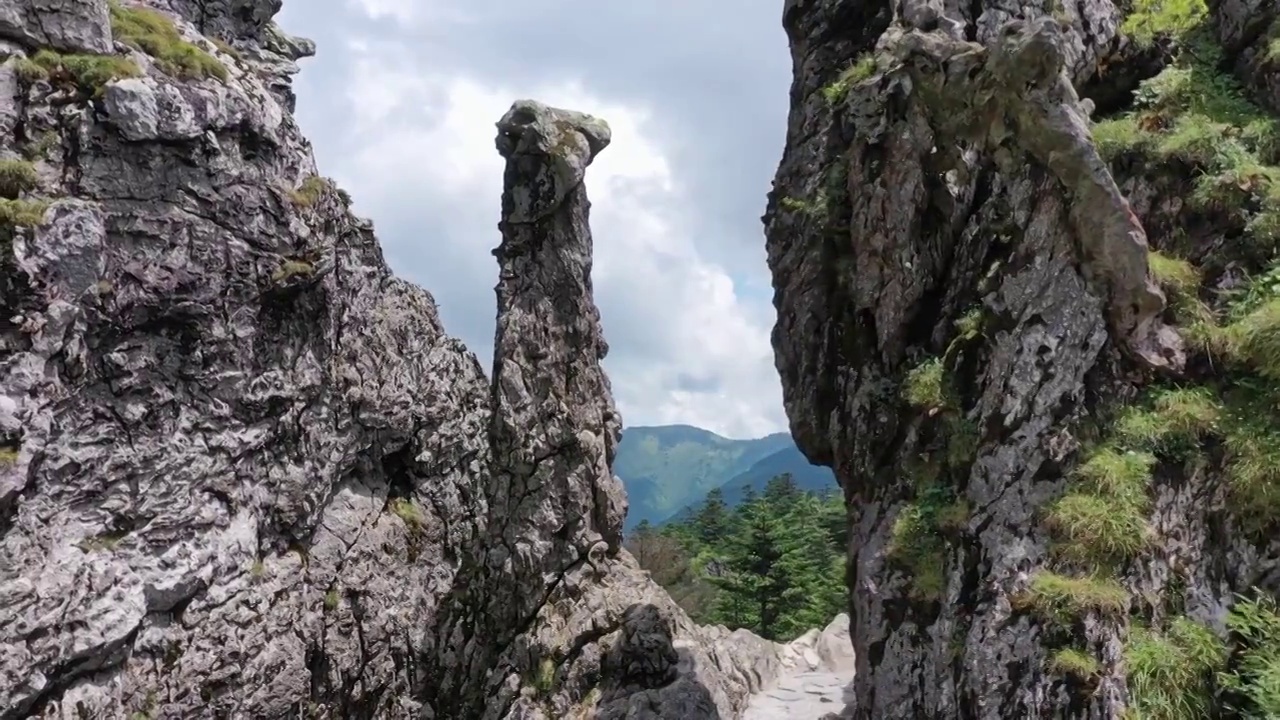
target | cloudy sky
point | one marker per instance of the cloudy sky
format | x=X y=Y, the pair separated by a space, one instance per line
x=401 y=102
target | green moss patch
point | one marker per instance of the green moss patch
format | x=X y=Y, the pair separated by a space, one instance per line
x=155 y=34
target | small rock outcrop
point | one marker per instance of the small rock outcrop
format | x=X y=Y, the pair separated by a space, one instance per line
x=1001 y=277
x=244 y=472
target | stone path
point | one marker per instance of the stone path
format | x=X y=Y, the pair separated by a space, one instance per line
x=802 y=696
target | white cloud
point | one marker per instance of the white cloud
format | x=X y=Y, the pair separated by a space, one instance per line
x=686 y=347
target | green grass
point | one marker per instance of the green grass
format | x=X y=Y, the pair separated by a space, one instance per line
x=923 y=387
x=1115 y=137
x=1091 y=528
x=1076 y=663
x=89 y=73
x=8 y=457
x=1193 y=113
x=1175 y=275
x=1060 y=599
x=331 y=599
x=308 y=193
x=292 y=268
x=861 y=69
x=917 y=541
x=1255 y=624
x=1121 y=474
x=16 y=177
x=257 y=570
x=29 y=71
x=1173 y=421
x=1101 y=519
x=1150 y=19
x=21 y=213
x=1256 y=339
x=409 y=512
x=917 y=547
x=1170 y=673
x=155 y=34
x=1252 y=442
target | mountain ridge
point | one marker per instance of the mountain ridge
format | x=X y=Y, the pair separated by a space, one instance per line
x=668 y=468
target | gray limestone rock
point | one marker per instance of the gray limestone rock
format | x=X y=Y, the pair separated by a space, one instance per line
x=67 y=25
x=951 y=205
x=246 y=473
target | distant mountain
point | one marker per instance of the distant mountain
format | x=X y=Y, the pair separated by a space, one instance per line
x=665 y=468
x=809 y=477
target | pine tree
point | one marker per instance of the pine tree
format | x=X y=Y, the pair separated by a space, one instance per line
x=711 y=525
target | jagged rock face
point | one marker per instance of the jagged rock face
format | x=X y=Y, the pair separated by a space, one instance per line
x=940 y=199
x=251 y=475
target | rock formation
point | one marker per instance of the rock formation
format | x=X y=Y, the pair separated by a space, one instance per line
x=245 y=472
x=1010 y=330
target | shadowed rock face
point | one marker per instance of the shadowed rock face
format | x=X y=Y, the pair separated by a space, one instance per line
x=945 y=203
x=250 y=475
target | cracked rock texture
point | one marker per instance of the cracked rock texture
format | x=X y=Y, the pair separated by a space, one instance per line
x=248 y=474
x=959 y=177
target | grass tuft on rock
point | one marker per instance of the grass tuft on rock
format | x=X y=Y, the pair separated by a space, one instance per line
x=1075 y=663
x=924 y=386
x=29 y=71
x=1174 y=421
x=1101 y=519
x=1060 y=599
x=1150 y=19
x=155 y=34
x=21 y=213
x=861 y=69
x=1255 y=674
x=16 y=177
x=291 y=269
x=89 y=73
x=1171 y=673
x=409 y=512
x=309 y=192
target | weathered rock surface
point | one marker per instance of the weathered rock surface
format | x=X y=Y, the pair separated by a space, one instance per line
x=251 y=475
x=816 y=679
x=947 y=202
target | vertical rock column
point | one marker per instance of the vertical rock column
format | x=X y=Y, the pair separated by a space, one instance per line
x=553 y=501
x=554 y=428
